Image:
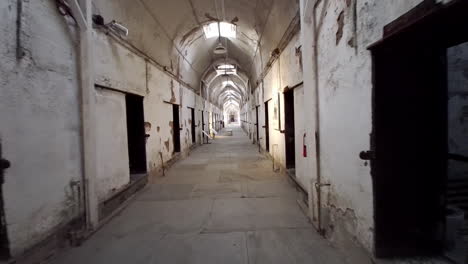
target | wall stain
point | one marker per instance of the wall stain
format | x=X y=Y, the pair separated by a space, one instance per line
x=173 y=98
x=339 y=32
x=166 y=143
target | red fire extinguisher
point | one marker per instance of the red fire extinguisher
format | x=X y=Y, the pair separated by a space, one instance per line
x=304 y=146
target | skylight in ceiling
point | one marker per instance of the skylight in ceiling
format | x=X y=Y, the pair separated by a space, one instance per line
x=226 y=69
x=227 y=30
x=225 y=66
x=229 y=71
x=211 y=30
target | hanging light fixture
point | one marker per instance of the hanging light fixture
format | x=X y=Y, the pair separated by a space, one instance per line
x=220 y=49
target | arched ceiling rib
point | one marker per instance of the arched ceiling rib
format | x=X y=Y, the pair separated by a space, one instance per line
x=171 y=32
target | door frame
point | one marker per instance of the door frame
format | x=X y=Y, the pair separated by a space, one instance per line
x=192 y=125
x=440 y=20
x=267 y=127
x=135 y=103
x=257 y=125
x=289 y=129
x=4 y=241
x=176 y=128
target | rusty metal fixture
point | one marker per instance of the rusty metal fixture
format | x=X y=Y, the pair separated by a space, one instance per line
x=367 y=155
x=162 y=163
x=4 y=164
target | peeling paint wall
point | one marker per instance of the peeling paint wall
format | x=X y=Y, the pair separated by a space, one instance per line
x=39 y=121
x=120 y=68
x=345 y=30
x=113 y=170
x=286 y=71
x=301 y=173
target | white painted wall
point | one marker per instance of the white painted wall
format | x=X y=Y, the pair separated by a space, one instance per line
x=39 y=121
x=123 y=69
x=118 y=67
x=344 y=87
x=285 y=72
x=302 y=174
x=113 y=170
x=41 y=124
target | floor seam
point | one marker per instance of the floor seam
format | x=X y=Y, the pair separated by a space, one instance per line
x=227 y=231
x=247 y=247
x=210 y=214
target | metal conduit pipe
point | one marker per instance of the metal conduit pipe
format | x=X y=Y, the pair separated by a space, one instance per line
x=82 y=12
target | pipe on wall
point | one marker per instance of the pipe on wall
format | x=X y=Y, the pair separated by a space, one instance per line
x=82 y=11
x=309 y=16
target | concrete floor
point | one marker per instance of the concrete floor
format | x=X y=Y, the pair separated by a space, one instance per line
x=222 y=204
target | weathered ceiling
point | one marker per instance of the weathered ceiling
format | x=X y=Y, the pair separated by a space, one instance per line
x=171 y=32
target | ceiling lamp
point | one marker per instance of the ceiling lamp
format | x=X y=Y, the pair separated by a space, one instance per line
x=226 y=69
x=220 y=49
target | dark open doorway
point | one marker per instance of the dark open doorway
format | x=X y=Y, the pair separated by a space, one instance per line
x=267 y=129
x=257 y=125
x=203 y=125
x=4 y=244
x=176 y=127
x=136 y=134
x=289 y=132
x=409 y=137
x=192 y=112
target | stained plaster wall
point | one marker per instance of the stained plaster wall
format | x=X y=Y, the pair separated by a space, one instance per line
x=146 y=30
x=344 y=87
x=39 y=121
x=121 y=68
x=286 y=71
x=112 y=145
x=40 y=117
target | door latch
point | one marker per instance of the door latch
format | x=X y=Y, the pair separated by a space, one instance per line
x=4 y=164
x=367 y=155
x=320 y=185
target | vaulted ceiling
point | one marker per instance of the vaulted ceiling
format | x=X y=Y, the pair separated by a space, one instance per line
x=171 y=32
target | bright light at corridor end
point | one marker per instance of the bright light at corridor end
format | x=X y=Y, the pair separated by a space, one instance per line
x=226 y=30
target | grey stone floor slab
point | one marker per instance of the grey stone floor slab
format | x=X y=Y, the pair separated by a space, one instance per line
x=274 y=188
x=168 y=192
x=222 y=204
x=218 y=190
x=290 y=246
x=226 y=248
x=161 y=217
x=255 y=213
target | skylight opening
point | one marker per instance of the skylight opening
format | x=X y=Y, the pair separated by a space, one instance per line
x=229 y=72
x=225 y=66
x=226 y=69
x=211 y=30
x=227 y=30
